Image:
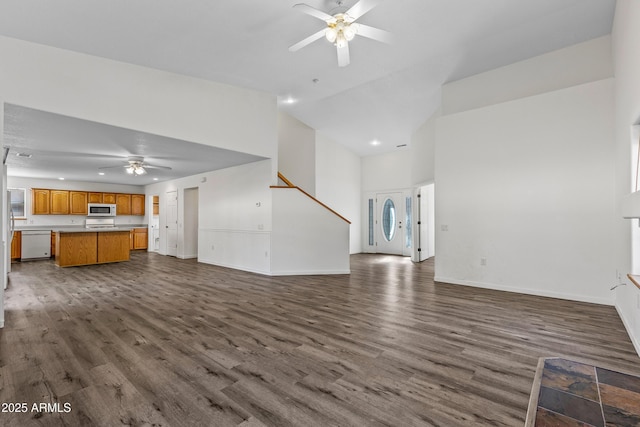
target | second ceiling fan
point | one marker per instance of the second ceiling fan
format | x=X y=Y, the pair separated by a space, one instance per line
x=341 y=28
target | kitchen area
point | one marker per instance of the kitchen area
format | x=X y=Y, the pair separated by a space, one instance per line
x=78 y=226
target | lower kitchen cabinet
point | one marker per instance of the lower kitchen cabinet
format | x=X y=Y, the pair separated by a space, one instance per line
x=139 y=238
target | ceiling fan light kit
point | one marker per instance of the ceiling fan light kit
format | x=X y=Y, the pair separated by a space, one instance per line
x=136 y=166
x=342 y=28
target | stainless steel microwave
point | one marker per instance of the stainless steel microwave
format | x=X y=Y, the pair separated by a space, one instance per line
x=101 y=209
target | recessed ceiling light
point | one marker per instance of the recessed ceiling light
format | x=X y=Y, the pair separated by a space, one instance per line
x=100 y=173
x=289 y=100
x=155 y=179
x=61 y=179
x=375 y=142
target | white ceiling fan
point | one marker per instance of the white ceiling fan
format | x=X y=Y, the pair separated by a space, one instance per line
x=341 y=28
x=136 y=166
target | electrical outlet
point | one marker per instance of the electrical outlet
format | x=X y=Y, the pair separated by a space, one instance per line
x=483 y=262
x=444 y=227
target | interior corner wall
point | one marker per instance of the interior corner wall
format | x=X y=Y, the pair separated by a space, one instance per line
x=297 y=152
x=626 y=44
x=574 y=65
x=527 y=187
x=338 y=175
x=423 y=147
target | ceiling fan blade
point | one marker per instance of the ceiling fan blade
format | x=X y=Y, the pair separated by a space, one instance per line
x=307 y=41
x=362 y=7
x=113 y=167
x=374 y=33
x=343 y=55
x=305 y=8
x=156 y=167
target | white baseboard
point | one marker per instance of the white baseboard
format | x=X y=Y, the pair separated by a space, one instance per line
x=188 y=256
x=536 y=292
x=634 y=341
x=309 y=272
x=235 y=267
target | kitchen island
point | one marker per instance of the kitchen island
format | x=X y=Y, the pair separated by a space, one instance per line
x=76 y=246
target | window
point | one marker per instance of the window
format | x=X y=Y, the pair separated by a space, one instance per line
x=388 y=220
x=17 y=198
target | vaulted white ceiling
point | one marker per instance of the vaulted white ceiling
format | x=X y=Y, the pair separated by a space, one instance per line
x=385 y=93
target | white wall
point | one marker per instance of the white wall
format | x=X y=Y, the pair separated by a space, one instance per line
x=139 y=98
x=528 y=185
x=626 y=44
x=235 y=218
x=306 y=238
x=389 y=171
x=297 y=152
x=46 y=220
x=338 y=175
x=191 y=223
x=574 y=65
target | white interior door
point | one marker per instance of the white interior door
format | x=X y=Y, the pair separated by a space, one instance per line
x=390 y=214
x=172 y=223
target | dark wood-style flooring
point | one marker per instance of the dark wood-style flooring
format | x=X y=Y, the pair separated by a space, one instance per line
x=162 y=341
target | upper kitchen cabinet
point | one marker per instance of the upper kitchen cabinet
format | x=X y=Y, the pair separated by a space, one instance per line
x=78 y=205
x=95 y=198
x=109 y=198
x=40 y=201
x=137 y=204
x=59 y=202
x=123 y=204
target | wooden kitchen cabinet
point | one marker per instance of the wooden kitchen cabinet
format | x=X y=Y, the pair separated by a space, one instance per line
x=109 y=198
x=16 y=245
x=53 y=244
x=137 y=204
x=40 y=201
x=113 y=246
x=140 y=238
x=123 y=204
x=156 y=205
x=59 y=202
x=78 y=203
x=95 y=198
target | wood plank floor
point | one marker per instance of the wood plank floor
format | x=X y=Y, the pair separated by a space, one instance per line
x=162 y=341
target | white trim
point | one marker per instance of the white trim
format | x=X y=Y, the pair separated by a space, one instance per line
x=308 y=272
x=536 y=292
x=235 y=267
x=1 y=324
x=635 y=342
x=191 y=256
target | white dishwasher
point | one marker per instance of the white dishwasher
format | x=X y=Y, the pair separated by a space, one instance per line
x=36 y=244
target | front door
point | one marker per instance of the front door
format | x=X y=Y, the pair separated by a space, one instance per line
x=390 y=214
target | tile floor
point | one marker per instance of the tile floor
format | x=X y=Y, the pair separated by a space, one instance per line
x=577 y=394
